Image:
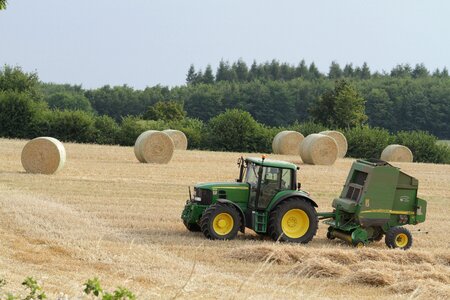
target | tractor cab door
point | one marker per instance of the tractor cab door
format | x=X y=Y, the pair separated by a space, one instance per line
x=271 y=181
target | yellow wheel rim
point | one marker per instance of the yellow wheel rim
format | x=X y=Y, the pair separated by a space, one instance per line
x=295 y=223
x=401 y=240
x=223 y=224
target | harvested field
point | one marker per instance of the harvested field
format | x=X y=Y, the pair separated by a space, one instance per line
x=107 y=215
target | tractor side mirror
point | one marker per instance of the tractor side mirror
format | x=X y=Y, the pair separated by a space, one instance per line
x=299 y=185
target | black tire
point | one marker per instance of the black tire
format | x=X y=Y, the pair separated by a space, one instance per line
x=330 y=236
x=209 y=217
x=194 y=227
x=276 y=217
x=378 y=234
x=398 y=237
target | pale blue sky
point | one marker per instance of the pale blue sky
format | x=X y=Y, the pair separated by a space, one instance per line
x=143 y=42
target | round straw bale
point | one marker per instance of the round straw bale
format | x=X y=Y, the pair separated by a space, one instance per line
x=397 y=153
x=319 y=149
x=179 y=139
x=156 y=147
x=287 y=142
x=44 y=155
x=340 y=139
x=136 y=146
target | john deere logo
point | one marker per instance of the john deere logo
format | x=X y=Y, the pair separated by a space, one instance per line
x=367 y=202
x=404 y=199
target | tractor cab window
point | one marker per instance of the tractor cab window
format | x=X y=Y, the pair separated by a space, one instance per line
x=273 y=181
x=286 y=179
x=251 y=176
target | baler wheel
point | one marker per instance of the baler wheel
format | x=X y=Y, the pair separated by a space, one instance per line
x=220 y=222
x=294 y=220
x=398 y=237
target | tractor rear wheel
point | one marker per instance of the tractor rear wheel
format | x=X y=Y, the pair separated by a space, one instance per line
x=194 y=227
x=294 y=220
x=220 y=222
x=398 y=237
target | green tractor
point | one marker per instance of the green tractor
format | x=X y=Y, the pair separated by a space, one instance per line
x=377 y=200
x=265 y=198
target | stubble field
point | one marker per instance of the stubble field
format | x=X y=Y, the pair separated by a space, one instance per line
x=106 y=215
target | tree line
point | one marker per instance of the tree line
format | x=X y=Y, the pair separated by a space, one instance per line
x=252 y=112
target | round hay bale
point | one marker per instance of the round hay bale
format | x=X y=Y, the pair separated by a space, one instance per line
x=179 y=139
x=287 y=142
x=156 y=147
x=44 y=155
x=340 y=139
x=136 y=146
x=397 y=153
x=319 y=149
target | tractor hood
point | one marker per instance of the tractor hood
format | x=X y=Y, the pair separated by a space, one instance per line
x=222 y=186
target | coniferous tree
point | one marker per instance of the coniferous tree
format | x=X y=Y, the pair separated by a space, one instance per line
x=365 y=71
x=420 y=71
x=402 y=70
x=341 y=107
x=191 y=75
x=348 y=71
x=313 y=72
x=302 y=70
x=335 y=71
x=208 y=76
x=241 y=70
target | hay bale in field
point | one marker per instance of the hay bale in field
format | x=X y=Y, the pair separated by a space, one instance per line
x=136 y=146
x=154 y=147
x=397 y=153
x=287 y=142
x=319 y=149
x=179 y=139
x=340 y=139
x=44 y=155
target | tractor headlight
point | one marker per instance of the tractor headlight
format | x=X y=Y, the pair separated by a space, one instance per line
x=197 y=199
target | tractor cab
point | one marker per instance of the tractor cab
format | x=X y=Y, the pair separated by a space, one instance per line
x=265 y=179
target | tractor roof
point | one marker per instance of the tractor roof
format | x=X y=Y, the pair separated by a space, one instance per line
x=272 y=163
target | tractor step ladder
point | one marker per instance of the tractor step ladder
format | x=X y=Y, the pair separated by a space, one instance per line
x=260 y=221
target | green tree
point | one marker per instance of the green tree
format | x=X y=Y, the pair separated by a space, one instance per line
x=191 y=75
x=241 y=70
x=3 y=4
x=335 y=71
x=313 y=72
x=420 y=71
x=166 y=111
x=342 y=107
x=348 y=71
x=70 y=101
x=14 y=79
x=234 y=130
x=208 y=76
x=302 y=70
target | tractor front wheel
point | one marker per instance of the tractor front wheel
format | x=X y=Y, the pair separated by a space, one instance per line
x=220 y=222
x=194 y=227
x=294 y=220
x=398 y=237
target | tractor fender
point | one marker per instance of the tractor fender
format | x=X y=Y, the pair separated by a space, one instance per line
x=241 y=212
x=293 y=195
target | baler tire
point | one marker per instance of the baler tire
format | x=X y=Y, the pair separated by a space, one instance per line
x=276 y=218
x=379 y=236
x=209 y=228
x=193 y=227
x=398 y=237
